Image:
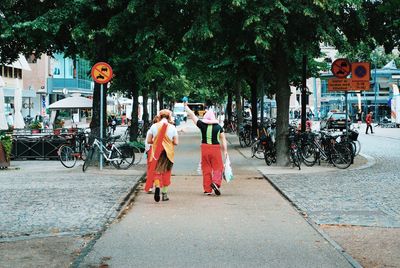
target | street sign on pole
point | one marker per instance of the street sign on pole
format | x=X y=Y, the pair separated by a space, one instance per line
x=341 y=68
x=101 y=74
x=360 y=76
x=336 y=84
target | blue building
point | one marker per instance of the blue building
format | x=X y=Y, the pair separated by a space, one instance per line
x=68 y=76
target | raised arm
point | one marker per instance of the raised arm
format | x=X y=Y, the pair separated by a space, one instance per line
x=190 y=113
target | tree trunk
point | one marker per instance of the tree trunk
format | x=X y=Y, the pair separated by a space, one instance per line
x=282 y=102
x=145 y=117
x=238 y=101
x=229 y=106
x=258 y=90
x=154 y=100
x=161 y=100
x=95 y=123
x=135 y=115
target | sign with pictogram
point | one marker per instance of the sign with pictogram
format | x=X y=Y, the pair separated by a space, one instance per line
x=341 y=68
x=360 y=76
x=102 y=72
x=360 y=71
x=337 y=84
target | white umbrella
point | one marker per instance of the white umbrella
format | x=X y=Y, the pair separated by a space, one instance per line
x=18 y=118
x=3 y=120
x=74 y=102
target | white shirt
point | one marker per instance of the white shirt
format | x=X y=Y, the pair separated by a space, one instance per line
x=171 y=129
x=146 y=145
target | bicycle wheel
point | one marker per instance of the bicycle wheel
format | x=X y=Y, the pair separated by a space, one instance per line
x=242 y=140
x=124 y=157
x=269 y=157
x=125 y=136
x=341 y=156
x=88 y=159
x=309 y=154
x=295 y=157
x=247 y=138
x=257 y=150
x=67 y=156
x=138 y=155
x=357 y=146
x=84 y=151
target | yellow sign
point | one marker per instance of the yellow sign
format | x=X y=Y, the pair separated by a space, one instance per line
x=337 y=84
x=102 y=72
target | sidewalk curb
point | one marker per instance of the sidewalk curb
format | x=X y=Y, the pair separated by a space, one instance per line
x=116 y=216
x=336 y=246
x=370 y=162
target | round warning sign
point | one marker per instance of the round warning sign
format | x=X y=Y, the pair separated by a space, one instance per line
x=341 y=68
x=102 y=72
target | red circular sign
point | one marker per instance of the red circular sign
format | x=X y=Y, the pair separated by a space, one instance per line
x=341 y=68
x=102 y=72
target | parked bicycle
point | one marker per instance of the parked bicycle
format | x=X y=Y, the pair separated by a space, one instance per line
x=76 y=148
x=325 y=147
x=245 y=135
x=121 y=157
x=230 y=126
x=351 y=140
x=141 y=134
x=264 y=145
x=294 y=153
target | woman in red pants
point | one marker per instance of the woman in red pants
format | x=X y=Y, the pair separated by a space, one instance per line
x=212 y=141
x=149 y=179
x=164 y=137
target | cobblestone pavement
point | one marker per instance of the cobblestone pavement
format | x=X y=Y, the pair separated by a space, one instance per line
x=42 y=198
x=365 y=197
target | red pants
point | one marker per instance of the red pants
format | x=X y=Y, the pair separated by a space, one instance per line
x=165 y=177
x=211 y=165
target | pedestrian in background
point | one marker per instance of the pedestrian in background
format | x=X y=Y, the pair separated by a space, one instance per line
x=163 y=137
x=368 y=120
x=10 y=120
x=149 y=178
x=212 y=141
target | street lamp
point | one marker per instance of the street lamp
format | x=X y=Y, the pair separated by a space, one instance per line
x=376 y=87
x=29 y=101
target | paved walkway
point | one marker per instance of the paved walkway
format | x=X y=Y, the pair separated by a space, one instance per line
x=43 y=198
x=249 y=225
x=366 y=194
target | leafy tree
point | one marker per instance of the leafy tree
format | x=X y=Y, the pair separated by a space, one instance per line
x=383 y=22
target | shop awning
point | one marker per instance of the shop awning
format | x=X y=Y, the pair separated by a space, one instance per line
x=10 y=92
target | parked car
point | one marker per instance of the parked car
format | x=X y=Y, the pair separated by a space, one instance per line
x=335 y=120
x=179 y=111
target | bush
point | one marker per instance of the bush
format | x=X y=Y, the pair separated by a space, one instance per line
x=6 y=143
x=35 y=125
x=59 y=123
